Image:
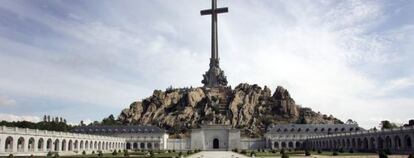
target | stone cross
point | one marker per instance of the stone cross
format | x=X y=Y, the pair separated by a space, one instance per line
x=214 y=77
x=213 y=12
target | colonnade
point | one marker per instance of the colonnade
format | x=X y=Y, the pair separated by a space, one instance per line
x=399 y=140
x=23 y=141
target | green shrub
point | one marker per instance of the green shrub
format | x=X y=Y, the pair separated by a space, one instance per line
x=93 y=152
x=411 y=156
x=10 y=156
x=382 y=154
x=236 y=150
x=100 y=153
x=56 y=155
x=307 y=153
x=274 y=151
x=319 y=152
x=126 y=154
x=180 y=154
x=253 y=153
x=31 y=156
x=151 y=154
x=285 y=155
x=173 y=151
x=115 y=152
x=341 y=150
x=282 y=151
x=189 y=152
x=335 y=153
x=84 y=152
x=49 y=154
x=387 y=151
x=244 y=152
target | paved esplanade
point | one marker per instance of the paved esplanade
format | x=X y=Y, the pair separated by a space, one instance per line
x=217 y=154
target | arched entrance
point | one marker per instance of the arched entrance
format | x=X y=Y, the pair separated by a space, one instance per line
x=216 y=143
x=276 y=145
x=9 y=144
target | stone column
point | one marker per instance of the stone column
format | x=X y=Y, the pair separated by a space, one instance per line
x=14 y=145
x=35 y=144
x=392 y=143
x=2 y=143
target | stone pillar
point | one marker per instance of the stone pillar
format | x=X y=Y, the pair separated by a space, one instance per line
x=2 y=143
x=376 y=144
x=35 y=144
x=369 y=143
x=14 y=148
x=392 y=143
x=58 y=146
x=405 y=145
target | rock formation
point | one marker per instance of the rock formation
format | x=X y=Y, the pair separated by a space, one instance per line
x=248 y=107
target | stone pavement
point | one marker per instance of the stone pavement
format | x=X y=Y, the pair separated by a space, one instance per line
x=217 y=154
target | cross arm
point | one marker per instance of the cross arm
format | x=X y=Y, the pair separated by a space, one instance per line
x=217 y=11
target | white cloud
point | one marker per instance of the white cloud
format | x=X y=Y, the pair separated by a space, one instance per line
x=12 y=117
x=6 y=101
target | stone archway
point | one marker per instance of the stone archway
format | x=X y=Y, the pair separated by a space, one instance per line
x=20 y=144
x=31 y=144
x=407 y=142
x=8 y=146
x=290 y=144
x=380 y=143
x=397 y=142
x=388 y=142
x=40 y=144
x=297 y=145
x=216 y=143
x=49 y=145
x=372 y=144
x=142 y=145
x=56 y=147
x=276 y=145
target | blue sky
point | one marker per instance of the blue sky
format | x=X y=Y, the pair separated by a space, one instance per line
x=84 y=60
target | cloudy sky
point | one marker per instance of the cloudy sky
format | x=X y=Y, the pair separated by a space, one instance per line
x=84 y=60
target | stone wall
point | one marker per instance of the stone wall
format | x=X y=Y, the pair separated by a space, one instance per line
x=252 y=143
x=179 y=144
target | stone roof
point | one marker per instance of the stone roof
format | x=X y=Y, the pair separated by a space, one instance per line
x=118 y=129
x=315 y=128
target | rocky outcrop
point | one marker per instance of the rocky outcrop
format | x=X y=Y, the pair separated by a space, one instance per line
x=248 y=107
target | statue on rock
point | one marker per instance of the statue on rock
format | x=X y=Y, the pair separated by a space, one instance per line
x=214 y=77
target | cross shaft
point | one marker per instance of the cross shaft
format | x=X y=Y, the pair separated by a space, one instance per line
x=213 y=12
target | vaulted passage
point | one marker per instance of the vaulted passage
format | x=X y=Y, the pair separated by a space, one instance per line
x=216 y=143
